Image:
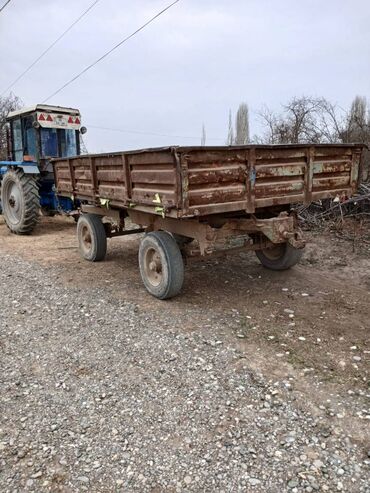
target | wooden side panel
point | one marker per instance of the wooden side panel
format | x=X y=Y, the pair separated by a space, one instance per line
x=280 y=176
x=83 y=177
x=111 y=177
x=194 y=181
x=303 y=174
x=63 y=179
x=215 y=177
x=153 y=178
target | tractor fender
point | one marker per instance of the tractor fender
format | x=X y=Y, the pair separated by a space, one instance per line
x=28 y=167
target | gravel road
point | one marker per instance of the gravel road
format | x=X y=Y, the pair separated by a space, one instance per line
x=102 y=395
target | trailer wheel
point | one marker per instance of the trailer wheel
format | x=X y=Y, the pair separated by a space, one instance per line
x=281 y=257
x=20 y=201
x=161 y=265
x=92 y=238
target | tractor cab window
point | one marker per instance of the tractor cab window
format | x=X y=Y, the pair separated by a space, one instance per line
x=49 y=142
x=29 y=137
x=17 y=140
x=68 y=143
x=58 y=142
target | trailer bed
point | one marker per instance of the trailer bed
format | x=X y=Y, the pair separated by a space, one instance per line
x=196 y=181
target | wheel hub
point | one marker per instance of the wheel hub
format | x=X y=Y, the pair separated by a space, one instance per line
x=153 y=266
x=86 y=240
x=14 y=202
x=275 y=252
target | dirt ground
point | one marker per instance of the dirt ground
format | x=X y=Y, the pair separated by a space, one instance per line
x=309 y=325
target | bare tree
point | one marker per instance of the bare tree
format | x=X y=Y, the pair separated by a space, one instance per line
x=230 y=133
x=7 y=104
x=331 y=121
x=358 y=121
x=204 y=136
x=317 y=120
x=242 y=125
x=303 y=120
x=358 y=129
x=273 y=124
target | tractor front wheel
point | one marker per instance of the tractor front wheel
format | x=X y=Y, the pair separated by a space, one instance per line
x=20 y=201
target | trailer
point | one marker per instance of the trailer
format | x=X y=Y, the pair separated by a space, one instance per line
x=200 y=201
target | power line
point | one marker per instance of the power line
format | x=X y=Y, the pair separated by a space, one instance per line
x=111 y=50
x=50 y=47
x=5 y=4
x=151 y=133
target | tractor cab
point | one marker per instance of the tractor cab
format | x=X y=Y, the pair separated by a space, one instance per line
x=34 y=136
x=42 y=132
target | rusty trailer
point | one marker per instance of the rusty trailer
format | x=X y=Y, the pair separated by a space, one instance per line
x=203 y=200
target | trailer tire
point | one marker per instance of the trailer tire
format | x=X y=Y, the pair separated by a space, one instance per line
x=281 y=257
x=20 y=201
x=161 y=265
x=92 y=238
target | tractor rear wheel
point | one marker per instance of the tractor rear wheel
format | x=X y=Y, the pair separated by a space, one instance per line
x=20 y=201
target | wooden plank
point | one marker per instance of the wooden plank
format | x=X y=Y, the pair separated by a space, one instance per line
x=251 y=176
x=72 y=175
x=278 y=170
x=308 y=175
x=153 y=176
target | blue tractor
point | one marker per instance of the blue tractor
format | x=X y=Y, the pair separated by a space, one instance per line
x=35 y=136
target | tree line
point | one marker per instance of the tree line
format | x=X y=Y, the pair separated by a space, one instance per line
x=305 y=120
x=308 y=120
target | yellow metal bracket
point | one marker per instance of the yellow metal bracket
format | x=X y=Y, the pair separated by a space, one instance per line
x=104 y=203
x=159 y=209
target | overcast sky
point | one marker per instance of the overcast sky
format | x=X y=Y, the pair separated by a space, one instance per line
x=190 y=66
